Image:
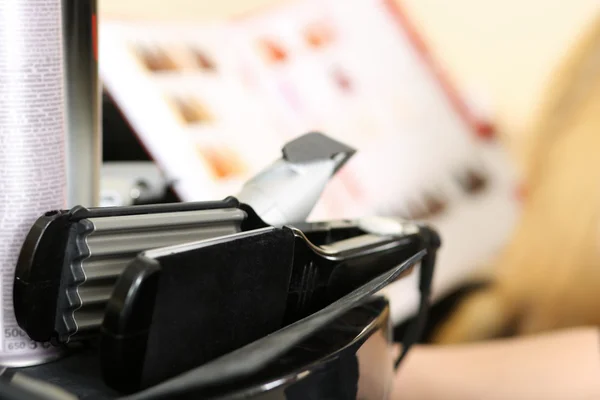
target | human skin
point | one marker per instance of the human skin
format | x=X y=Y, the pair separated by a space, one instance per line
x=558 y=365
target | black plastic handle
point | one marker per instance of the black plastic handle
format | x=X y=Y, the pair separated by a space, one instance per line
x=79 y=212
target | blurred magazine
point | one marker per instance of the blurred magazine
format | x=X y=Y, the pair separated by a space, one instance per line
x=214 y=103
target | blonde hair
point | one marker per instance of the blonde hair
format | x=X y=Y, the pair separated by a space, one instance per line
x=549 y=274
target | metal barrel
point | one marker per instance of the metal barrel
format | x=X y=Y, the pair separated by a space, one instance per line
x=32 y=148
x=84 y=136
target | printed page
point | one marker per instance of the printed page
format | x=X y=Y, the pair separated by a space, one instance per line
x=214 y=104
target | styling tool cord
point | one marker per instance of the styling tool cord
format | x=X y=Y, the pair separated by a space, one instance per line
x=431 y=243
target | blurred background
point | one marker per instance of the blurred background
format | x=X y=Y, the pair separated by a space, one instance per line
x=449 y=101
x=502 y=52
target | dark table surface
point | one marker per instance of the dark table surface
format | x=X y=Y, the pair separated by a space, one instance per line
x=78 y=373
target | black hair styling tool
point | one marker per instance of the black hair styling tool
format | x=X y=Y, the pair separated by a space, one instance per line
x=326 y=232
x=179 y=307
x=71 y=258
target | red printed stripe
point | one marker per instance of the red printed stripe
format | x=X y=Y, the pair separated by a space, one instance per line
x=95 y=37
x=483 y=129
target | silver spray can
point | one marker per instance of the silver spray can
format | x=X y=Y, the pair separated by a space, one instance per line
x=84 y=146
x=32 y=148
